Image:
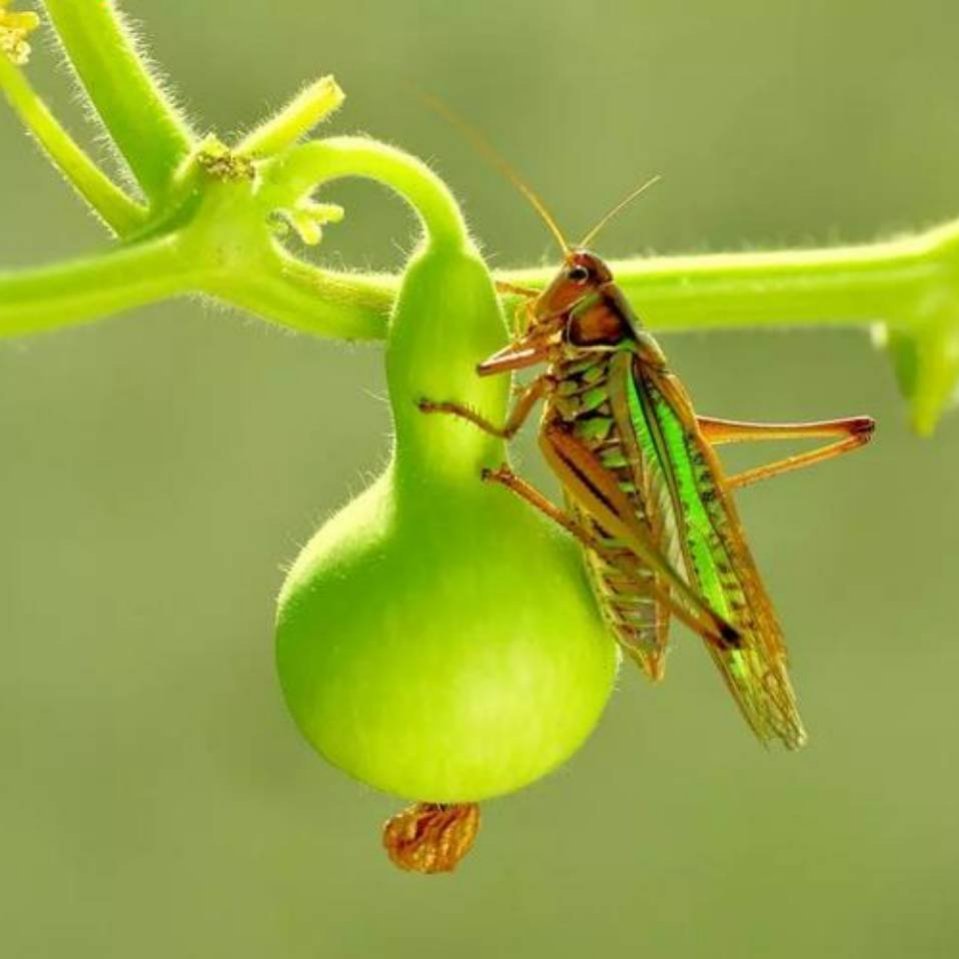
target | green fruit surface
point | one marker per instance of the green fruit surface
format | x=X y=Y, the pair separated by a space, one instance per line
x=449 y=654
x=437 y=638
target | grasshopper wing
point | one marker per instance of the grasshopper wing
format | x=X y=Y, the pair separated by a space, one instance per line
x=717 y=559
x=628 y=589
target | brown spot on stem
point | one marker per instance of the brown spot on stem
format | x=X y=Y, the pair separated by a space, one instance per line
x=221 y=163
x=431 y=837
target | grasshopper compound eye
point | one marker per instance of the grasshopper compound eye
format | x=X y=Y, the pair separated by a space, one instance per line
x=577 y=274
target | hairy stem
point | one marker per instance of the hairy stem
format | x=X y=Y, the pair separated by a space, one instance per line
x=313 y=104
x=295 y=294
x=114 y=207
x=73 y=293
x=146 y=128
x=831 y=286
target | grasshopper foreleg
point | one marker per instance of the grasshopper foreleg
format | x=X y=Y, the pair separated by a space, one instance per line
x=520 y=318
x=512 y=289
x=520 y=412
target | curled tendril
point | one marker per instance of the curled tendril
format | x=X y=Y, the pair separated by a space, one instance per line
x=14 y=30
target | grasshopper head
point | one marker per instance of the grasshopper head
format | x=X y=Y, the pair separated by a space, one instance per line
x=555 y=315
x=596 y=315
x=581 y=274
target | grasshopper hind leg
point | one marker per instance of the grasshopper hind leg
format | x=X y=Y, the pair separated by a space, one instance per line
x=504 y=476
x=648 y=652
x=846 y=435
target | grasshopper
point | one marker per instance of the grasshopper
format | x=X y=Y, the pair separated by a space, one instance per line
x=645 y=492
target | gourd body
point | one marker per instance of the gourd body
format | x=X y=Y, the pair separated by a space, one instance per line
x=436 y=639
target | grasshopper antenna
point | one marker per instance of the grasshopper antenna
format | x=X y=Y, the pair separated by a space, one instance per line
x=618 y=209
x=491 y=154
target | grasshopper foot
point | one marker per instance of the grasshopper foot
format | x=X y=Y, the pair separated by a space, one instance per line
x=456 y=409
x=501 y=474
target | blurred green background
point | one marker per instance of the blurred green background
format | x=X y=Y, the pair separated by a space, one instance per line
x=159 y=470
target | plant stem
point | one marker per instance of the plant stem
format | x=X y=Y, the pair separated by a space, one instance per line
x=832 y=286
x=297 y=173
x=313 y=104
x=146 y=128
x=836 y=286
x=841 y=286
x=116 y=209
x=73 y=293
x=295 y=294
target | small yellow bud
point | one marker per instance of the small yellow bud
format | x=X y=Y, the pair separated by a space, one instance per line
x=308 y=219
x=14 y=30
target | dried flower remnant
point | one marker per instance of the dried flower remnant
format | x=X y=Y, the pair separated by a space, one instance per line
x=14 y=30
x=431 y=837
x=222 y=163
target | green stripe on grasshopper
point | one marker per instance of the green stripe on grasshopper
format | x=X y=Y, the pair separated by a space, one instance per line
x=717 y=559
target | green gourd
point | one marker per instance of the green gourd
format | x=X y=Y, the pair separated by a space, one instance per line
x=436 y=638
